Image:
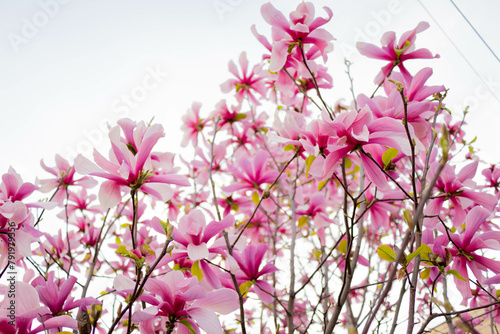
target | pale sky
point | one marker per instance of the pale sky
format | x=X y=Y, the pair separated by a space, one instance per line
x=68 y=67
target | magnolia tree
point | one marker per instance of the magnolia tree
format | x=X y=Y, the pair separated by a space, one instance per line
x=296 y=214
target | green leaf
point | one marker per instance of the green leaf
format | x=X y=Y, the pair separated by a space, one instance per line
x=386 y=253
x=240 y=116
x=122 y=250
x=165 y=226
x=196 y=271
x=188 y=325
x=255 y=198
x=322 y=184
x=302 y=221
x=342 y=246
x=309 y=160
x=289 y=147
x=348 y=163
x=388 y=155
x=424 y=274
x=423 y=250
x=245 y=287
x=456 y=274
x=317 y=253
x=407 y=218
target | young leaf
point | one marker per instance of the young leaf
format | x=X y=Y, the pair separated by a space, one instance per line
x=424 y=274
x=196 y=271
x=302 y=221
x=309 y=160
x=386 y=253
x=388 y=155
x=188 y=326
x=456 y=274
x=255 y=198
x=343 y=246
x=245 y=287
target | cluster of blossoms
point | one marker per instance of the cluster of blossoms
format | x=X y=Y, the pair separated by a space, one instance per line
x=301 y=207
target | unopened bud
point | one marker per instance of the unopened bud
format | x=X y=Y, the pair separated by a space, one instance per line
x=399 y=85
x=266 y=194
x=84 y=325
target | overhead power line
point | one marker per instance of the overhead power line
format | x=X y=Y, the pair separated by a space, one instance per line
x=460 y=52
x=477 y=33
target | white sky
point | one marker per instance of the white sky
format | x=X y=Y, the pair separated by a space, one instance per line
x=60 y=81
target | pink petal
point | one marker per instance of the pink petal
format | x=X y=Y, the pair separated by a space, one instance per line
x=109 y=194
x=468 y=172
x=27 y=298
x=278 y=56
x=215 y=227
x=475 y=218
x=206 y=319
x=146 y=314
x=151 y=137
x=373 y=172
x=159 y=190
x=60 y=321
x=197 y=252
x=223 y=301
x=274 y=17
x=493 y=280
x=123 y=283
x=179 y=180
x=264 y=290
x=372 y=51
x=84 y=166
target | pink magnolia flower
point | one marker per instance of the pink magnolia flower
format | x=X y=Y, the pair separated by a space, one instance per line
x=64 y=177
x=130 y=164
x=396 y=54
x=316 y=210
x=16 y=224
x=492 y=175
x=56 y=296
x=465 y=246
x=353 y=130
x=392 y=106
x=228 y=115
x=302 y=29
x=249 y=262
x=27 y=310
x=194 y=235
x=57 y=246
x=414 y=86
x=182 y=302
x=251 y=173
x=80 y=202
x=460 y=190
x=201 y=167
x=288 y=131
x=13 y=188
x=246 y=83
x=192 y=125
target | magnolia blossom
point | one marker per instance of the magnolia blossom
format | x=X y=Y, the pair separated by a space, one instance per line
x=130 y=164
x=181 y=302
x=396 y=53
x=245 y=84
x=193 y=235
x=302 y=29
